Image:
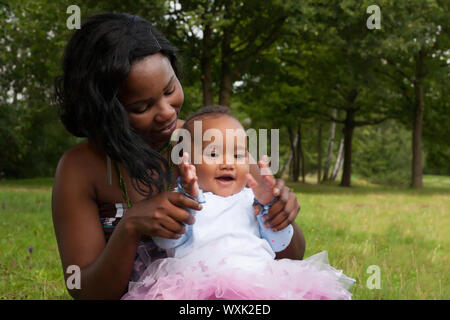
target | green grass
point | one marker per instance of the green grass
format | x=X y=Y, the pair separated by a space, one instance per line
x=26 y=222
x=405 y=232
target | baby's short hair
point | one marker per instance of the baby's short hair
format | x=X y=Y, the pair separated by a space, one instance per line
x=208 y=112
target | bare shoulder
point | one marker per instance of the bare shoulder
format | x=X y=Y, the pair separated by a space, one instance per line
x=75 y=212
x=82 y=155
x=78 y=167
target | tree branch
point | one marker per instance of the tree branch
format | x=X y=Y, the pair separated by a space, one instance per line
x=327 y=117
x=398 y=70
x=265 y=44
x=397 y=82
x=371 y=122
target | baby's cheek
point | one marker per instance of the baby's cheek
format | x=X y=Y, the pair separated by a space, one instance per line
x=241 y=181
x=203 y=182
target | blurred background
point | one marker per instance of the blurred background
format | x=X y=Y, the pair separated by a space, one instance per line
x=347 y=99
x=356 y=106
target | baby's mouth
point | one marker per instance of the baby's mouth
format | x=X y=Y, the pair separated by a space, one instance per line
x=225 y=178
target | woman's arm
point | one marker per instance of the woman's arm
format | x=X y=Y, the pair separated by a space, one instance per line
x=105 y=268
x=296 y=249
x=281 y=214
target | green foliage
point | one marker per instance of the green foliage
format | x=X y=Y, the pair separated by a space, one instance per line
x=34 y=34
x=320 y=55
x=382 y=153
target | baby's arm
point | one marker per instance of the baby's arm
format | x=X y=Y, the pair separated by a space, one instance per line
x=264 y=198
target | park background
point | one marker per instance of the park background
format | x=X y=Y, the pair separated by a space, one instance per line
x=364 y=119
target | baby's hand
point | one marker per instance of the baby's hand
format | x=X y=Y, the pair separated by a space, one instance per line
x=264 y=192
x=188 y=176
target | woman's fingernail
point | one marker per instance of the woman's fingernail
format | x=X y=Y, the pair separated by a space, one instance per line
x=276 y=191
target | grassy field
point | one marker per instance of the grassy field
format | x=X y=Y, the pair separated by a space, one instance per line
x=402 y=231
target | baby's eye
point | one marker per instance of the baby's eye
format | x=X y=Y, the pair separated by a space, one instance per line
x=213 y=155
x=239 y=156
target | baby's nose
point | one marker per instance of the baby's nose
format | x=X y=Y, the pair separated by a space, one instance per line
x=226 y=166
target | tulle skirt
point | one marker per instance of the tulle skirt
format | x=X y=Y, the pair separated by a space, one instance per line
x=309 y=279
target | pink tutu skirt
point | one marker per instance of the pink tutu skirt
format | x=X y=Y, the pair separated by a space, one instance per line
x=309 y=279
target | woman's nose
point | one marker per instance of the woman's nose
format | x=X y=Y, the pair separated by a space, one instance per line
x=165 y=112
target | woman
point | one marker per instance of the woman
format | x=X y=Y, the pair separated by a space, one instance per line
x=120 y=90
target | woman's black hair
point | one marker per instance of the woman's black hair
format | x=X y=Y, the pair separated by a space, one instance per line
x=97 y=60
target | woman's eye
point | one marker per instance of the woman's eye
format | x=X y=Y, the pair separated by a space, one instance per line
x=142 y=110
x=169 y=92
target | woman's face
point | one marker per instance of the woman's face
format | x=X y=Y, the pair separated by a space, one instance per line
x=152 y=97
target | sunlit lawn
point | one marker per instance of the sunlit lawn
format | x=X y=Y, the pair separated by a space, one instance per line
x=404 y=232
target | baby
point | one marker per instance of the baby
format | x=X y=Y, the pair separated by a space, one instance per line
x=225 y=174
x=228 y=253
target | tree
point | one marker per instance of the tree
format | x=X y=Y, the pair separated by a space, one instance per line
x=224 y=38
x=413 y=49
x=350 y=83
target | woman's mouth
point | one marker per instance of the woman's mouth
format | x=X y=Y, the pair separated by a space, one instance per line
x=168 y=129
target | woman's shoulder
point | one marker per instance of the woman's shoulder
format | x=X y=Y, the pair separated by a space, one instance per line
x=82 y=160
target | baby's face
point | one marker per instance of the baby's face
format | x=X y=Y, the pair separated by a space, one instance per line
x=223 y=171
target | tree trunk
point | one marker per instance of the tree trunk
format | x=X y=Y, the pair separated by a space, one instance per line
x=226 y=76
x=226 y=85
x=339 y=161
x=330 y=147
x=300 y=151
x=417 y=173
x=349 y=127
x=319 y=153
x=206 y=65
x=288 y=162
x=295 y=165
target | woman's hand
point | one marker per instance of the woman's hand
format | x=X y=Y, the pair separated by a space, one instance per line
x=162 y=215
x=284 y=211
